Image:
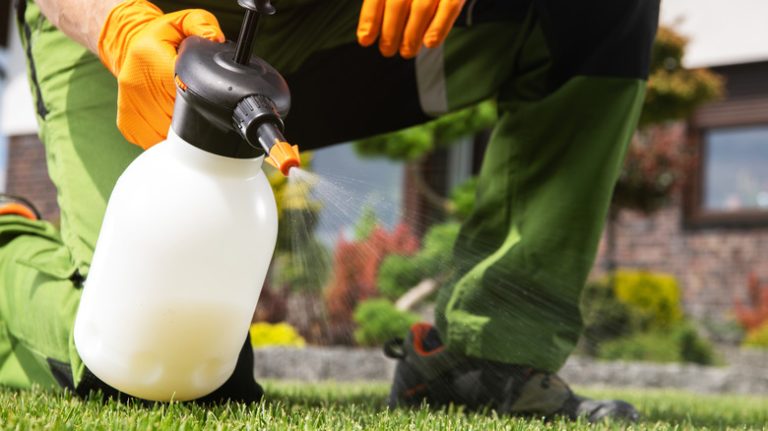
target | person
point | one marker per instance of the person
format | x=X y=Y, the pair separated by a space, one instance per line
x=568 y=78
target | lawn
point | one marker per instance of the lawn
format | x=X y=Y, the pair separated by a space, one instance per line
x=356 y=407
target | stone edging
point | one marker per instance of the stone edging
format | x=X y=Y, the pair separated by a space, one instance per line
x=350 y=364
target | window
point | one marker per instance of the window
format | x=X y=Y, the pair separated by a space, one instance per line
x=729 y=185
x=735 y=169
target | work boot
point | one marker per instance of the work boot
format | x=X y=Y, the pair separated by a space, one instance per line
x=15 y=205
x=428 y=373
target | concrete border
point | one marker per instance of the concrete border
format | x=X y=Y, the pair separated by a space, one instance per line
x=351 y=364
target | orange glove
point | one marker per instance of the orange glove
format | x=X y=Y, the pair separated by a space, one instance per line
x=138 y=45
x=402 y=25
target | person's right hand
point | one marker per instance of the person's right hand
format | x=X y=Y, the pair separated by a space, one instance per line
x=406 y=25
x=138 y=44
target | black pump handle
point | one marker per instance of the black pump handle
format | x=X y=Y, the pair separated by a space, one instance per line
x=253 y=9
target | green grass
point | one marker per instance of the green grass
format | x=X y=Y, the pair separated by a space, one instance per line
x=358 y=407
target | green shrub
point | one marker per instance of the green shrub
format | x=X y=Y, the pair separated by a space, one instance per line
x=399 y=273
x=678 y=344
x=438 y=243
x=758 y=337
x=415 y=143
x=637 y=315
x=378 y=321
x=366 y=224
x=653 y=297
x=304 y=269
x=605 y=317
x=649 y=346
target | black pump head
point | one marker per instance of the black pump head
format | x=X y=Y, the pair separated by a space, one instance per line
x=227 y=102
x=209 y=87
x=263 y=7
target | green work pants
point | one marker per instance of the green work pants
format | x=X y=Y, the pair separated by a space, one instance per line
x=569 y=81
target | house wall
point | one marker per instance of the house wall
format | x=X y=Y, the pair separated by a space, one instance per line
x=712 y=264
x=27 y=175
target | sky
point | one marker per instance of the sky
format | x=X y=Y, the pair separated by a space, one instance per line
x=720 y=31
x=375 y=183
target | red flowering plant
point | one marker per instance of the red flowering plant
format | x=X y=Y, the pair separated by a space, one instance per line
x=655 y=165
x=753 y=313
x=355 y=268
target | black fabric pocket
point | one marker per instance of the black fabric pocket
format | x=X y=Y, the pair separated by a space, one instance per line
x=26 y=38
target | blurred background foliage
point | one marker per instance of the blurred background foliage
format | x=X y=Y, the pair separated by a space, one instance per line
x=278 y=334
x=378 y=321
x=673 y=91
x=752 y=313
x=628 y=314
x=637 y=315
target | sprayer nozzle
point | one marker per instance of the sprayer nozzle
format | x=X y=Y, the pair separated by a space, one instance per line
x=284 y=156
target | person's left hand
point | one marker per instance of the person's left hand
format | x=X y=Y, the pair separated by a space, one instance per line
x=138 y=44
x=403 y=25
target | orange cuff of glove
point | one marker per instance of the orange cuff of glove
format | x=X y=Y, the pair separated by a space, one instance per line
x=404 y=25
x=138 y=43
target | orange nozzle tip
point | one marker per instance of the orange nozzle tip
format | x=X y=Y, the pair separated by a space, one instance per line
x=283 y=156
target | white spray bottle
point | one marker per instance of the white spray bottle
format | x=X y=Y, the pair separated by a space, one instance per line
x=190 y=229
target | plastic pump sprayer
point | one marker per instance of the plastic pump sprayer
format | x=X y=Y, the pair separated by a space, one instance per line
x=190 y=229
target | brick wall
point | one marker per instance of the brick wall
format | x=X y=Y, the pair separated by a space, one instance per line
x=711 y=264
x=27 y=175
